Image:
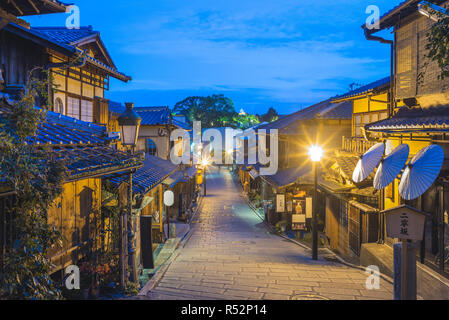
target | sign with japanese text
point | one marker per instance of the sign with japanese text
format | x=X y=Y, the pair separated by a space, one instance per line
x=280 y=203
x=405 y=223
x=309 y=207
x=298 y=222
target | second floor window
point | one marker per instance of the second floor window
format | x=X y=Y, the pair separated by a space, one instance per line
x=86 y=111
x=80 y=109
x=151 y=147
x=73 y=107
x=59 y=106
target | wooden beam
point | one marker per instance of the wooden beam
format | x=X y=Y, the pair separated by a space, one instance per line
x=16 y=6
x=3 y=23
x=34 y=6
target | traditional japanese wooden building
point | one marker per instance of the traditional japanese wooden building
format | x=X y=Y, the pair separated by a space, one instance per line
x=421 y=121
x=324 y=123
x=77 y=58
x=86 y=151
x=352 y=210
x=149 y=184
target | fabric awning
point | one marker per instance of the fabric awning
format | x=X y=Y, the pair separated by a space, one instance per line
x=145 y=202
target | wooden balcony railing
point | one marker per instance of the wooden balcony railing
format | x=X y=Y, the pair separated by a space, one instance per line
x=356 y=145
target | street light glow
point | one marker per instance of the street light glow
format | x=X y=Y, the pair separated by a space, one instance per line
x=315 y=153
x=205 y=162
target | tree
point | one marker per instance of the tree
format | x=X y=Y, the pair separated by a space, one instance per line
x=212 y=111
x=437 y=45
x=245 y=121
x=36 y=177
x=270 y=116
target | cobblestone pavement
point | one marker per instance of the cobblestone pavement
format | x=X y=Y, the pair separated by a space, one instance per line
x=231 y=255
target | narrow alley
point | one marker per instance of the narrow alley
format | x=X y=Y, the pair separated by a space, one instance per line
x=230 y=254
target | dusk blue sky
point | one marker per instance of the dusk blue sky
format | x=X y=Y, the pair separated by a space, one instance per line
x=281 y=53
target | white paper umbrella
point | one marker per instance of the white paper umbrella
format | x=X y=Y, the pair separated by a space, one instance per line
x=421 y=172
x=391 y=166
x=388 y=147
x=368 y=162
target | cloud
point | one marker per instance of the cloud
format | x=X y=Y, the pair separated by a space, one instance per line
x=287 y=51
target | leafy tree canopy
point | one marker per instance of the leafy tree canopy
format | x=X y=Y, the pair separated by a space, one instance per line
x=270 y=116
x=212 y=111
x=437 y=45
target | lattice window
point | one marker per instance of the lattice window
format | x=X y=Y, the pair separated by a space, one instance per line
x=87 y=111
x=151 y=147
x=73 y=107
x=344 y=214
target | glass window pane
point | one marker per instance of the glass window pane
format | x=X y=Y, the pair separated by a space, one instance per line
x=366 y=119
x=87 y=111
x=151 y=147
x=73 y=107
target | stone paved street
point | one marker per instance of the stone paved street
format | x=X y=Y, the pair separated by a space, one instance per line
x=231 y=255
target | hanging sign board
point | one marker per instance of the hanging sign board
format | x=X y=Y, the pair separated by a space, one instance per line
x=405 y=222
x=289 y=206
x=280 y=203
x=309 y=204
x=298 y=222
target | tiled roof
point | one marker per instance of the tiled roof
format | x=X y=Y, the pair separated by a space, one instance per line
x=88 y=160
x=83 y=146
x=323 y=110
x=181 y=124
x=28 y=8
x=66 y=36
x=116 y=107
x=433 y=119
x=402 y=10
x=376 y=85
x=288 y=176
x=34 y=34
x=152 y=173
x=153 y=115
x=60 y=129
x=150 y=115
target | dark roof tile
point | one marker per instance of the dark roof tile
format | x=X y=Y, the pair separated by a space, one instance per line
x=433 y=119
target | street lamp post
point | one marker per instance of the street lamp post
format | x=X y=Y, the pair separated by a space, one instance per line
x=205 y=163
x=129 y=122
x=315 y=153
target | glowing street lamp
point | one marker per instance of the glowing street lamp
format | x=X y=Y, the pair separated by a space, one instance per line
x=315 y=153
x=205 y=162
